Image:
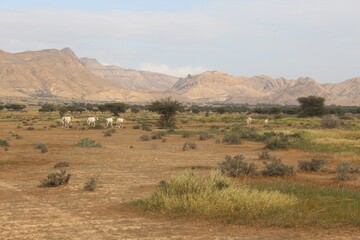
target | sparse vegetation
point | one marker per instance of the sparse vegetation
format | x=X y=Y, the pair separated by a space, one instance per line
x=43 y=148
x=330 y=121
x=346 y=171
x=61 y=164
x=145 y=138
x=4 y=143
x=265 y=155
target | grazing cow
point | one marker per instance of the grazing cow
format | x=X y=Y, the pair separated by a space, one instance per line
x=66 y=121
x=120 y=122
x=266 y=121
x=248 y=121
x=109 y=121
x=91 y=121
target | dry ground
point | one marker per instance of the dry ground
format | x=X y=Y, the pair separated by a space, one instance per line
x=124 y=174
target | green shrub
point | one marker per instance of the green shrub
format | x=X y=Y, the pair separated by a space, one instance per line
x=232 y=138
x=42 y=147
x=146 y=126
x=30 y=128
x=90 y=185
x=237 y=166
x=186 y=135
x=157 y=135
x=239 y=132
x=345 y=171
x=279 y=141
x=189 y=145
x=136 y=126
x=145 y=138
x=88 y=143
x=61 y=164
x=277 y=168
x=314 y=165
x=56 y=179
x=4 y=143
x=204 y=136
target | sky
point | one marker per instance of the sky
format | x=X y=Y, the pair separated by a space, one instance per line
x=279 y=38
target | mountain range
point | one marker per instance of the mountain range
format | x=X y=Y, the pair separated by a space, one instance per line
x=55 y=73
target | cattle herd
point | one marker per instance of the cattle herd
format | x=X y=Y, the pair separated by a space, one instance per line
x=91 y=122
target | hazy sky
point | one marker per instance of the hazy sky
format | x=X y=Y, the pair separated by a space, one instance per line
x=289 y=38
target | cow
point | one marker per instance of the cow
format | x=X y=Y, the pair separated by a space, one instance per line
x=91 y=121
x=120 y=122
x=248 y=121
x=109 y=121
x=66 y=121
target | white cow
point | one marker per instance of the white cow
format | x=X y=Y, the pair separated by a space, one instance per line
x=109 y=121
x=120 y=122
x=266 y=121
x=66 y=121
x=91 y=121
x=248 y=121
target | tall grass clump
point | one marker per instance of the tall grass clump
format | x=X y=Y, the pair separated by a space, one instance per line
x=215 y=197
x=88 y=143
x=314 y=165
x=236 y=166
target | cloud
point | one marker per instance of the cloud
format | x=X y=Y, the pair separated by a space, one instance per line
x=173 y=71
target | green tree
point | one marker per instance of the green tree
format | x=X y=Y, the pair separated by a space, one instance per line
x=15 y=107
x=48 y=108
x=311 y=106
x=1 y=107
x=167 y=109
x=116 y=108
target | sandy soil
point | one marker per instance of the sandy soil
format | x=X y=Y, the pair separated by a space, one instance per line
x=124 y=174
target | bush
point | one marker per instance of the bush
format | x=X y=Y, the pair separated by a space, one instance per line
x=4 y=143
x=109 y=133
x=314 y=165
x=278 y=141
x=42 y=147
x=189 y=145
x=204 y=136
x=90 y=185
x=30 y=128
x=238 y=132
x=186 y=135
x=330 y=121
x=56 y=179
x=61 y=164
x=237 y=166
x=145 y=138
x=265 y=155
x=277 y=168
x=157 y=135
x=136 y=126
x=345 y=170
x=146 y=126
x=232 y=138
x=88 y=143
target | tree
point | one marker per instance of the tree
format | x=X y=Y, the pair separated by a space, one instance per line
x=311 y=106
x=116 y=108
x=47 y=108
x=1 y=107
x=15 y=107
x=167 y=108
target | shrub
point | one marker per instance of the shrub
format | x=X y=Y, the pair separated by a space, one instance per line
x=277 y=168
x=278 y=141
x=145 y=138
x=146 y=126
x=238 y=132
x=42 y=147
x=17 y=136
x=4 y=143
x=265 y=155
x=88 y=143
x=232 y=138
x=90 y=185
x=189 y=145
x=109 y=133
x=157 y=135
x=237 y=166
x=330 y=121
x=204 y=136
x=30 y=128
x=61 y=164
x=345 y=170
x=136 y=126
x=314 y=165
x=56 y=179
x=186 y=135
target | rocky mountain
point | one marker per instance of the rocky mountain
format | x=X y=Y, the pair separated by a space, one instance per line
x=61 y=74
x=129 y=78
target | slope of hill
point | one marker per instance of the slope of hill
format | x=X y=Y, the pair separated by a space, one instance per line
x=129 y=78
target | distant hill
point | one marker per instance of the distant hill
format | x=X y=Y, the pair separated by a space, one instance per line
x=61 y=74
